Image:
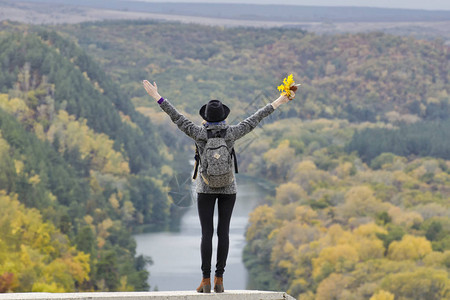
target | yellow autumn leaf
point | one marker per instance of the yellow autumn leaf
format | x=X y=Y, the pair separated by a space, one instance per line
x=288 y=83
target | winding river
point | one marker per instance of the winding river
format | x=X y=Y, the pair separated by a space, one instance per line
x=176 y=255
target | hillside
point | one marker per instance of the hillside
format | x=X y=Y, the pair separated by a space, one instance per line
x=361 y=77
x=80 y=170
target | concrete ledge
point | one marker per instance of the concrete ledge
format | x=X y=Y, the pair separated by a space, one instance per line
x=185 y=295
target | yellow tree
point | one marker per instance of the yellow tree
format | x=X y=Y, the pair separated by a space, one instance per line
x=279 y=159
x=289 y=192
x=98 y=147
x=369 y=246
x=261 y=217
x=35 y=253
x=420 y=284
x=382 y=295
x=332 y=287
x=339 y=259
x=360 y=201
x=410 y=247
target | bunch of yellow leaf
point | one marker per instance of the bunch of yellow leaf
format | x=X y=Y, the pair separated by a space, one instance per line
x=289 y=87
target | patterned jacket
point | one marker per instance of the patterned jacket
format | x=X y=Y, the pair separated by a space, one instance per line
x=199 y=135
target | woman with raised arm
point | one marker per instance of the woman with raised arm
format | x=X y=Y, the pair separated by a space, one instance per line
x=212 y=185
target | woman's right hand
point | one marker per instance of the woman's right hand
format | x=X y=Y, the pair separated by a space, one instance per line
x=152 y=90
x=281 y=100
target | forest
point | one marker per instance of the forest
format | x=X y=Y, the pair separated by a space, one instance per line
x=358 y=164
x=80 y=171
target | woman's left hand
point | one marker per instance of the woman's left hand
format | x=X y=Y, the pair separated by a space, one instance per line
x=152 y=90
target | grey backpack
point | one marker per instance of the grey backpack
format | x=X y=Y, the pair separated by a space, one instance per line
x=216 y=160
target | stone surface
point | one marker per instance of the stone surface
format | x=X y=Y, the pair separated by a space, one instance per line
x=184 y=295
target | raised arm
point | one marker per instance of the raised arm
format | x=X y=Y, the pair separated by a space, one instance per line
x=251 y=122
x=184 y=124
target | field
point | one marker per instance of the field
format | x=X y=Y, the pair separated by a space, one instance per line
x=54 y=13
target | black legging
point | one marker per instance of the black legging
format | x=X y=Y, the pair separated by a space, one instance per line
x=206 y=203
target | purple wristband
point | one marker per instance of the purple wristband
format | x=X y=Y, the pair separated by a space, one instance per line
x=161 y=100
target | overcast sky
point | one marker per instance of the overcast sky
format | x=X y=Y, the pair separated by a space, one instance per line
x=412 y=4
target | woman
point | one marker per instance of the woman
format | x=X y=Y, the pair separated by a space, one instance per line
x=214 y=113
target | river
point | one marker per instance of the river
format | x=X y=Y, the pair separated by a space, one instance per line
x=176 y=255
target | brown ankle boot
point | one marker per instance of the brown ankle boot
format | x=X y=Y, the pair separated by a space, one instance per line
x=218 y=285
x=205 y=286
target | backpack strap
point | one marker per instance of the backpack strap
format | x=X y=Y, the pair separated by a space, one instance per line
x=233 y=153
x=197 y=161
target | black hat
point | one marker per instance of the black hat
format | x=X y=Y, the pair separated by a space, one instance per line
x=214 y=111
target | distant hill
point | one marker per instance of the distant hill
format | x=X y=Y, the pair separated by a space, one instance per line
x=421 y=24
x=361 y=77
x=288 y=13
